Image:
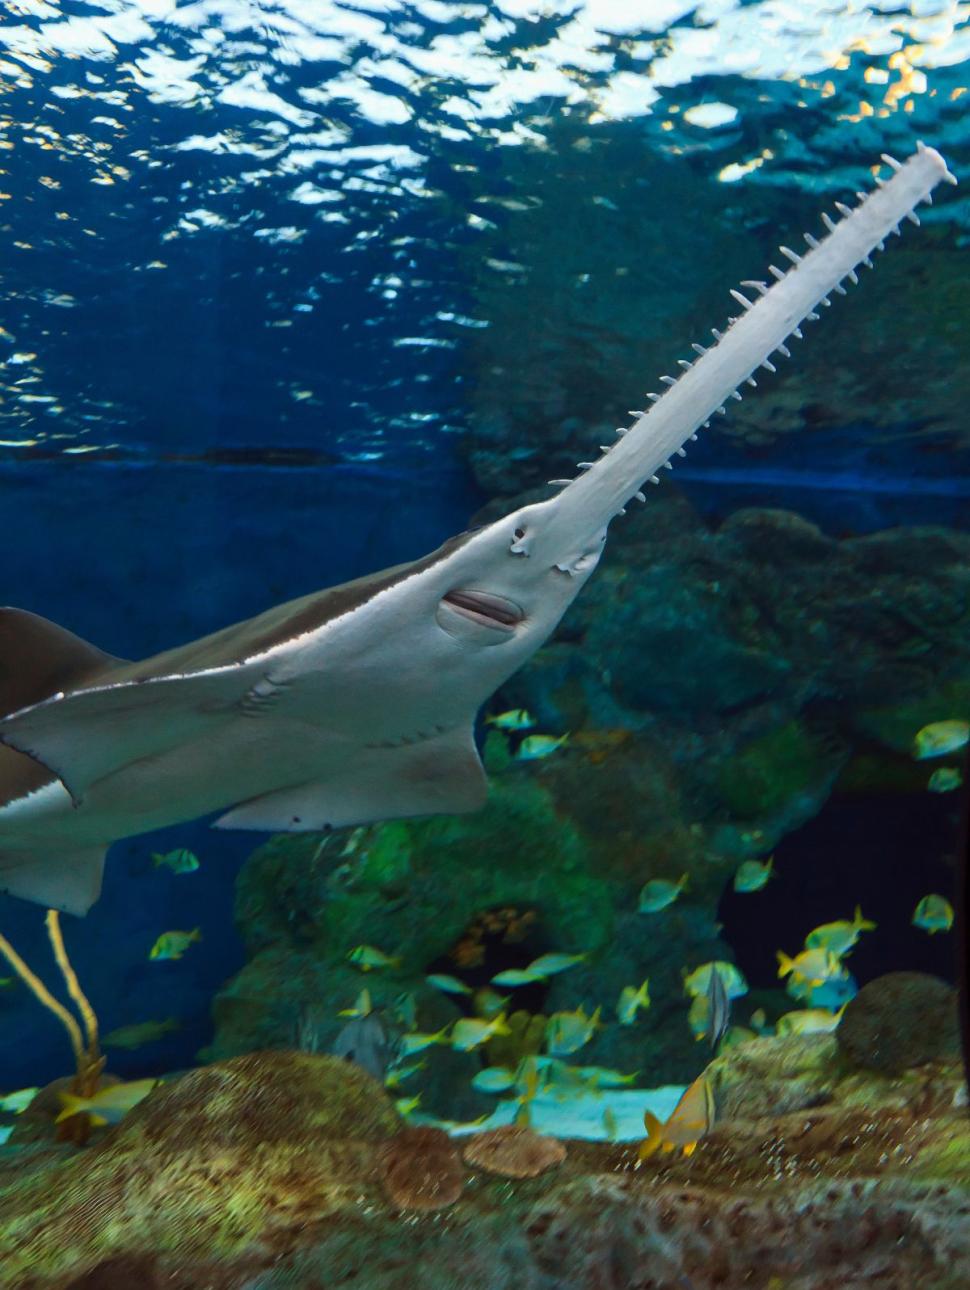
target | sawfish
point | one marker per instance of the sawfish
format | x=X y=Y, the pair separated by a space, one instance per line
x=357 y=703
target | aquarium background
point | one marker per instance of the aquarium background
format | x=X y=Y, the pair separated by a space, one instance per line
x=292 y=291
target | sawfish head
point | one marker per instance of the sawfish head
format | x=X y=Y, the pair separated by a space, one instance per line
x=357 y=703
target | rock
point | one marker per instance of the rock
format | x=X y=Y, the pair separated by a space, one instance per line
x=282 y=1171
x=513 y=1151
x=900 y=1020
x=420 y=1169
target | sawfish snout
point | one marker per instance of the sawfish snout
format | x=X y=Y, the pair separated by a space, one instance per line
x=479 y=616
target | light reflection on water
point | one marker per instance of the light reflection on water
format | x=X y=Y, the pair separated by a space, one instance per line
x=233 y=223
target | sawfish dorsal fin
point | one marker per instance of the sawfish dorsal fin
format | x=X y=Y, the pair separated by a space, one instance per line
x=443 y=775
x=38 y=659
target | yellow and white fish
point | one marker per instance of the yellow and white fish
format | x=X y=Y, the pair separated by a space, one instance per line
x=493 y=1079
x=396 y=1077
x=535 y=747
x=751 y=875
x=18 y=1101
x=934 y=914
x=550 y=964
x=172 y=945
x=514 y=719
x=939 y=738
x=839 y=937
x=489 y=1003
x=515 y=977
x=406 y=1106
x=690 y=1120
x=109 y=1104
x=367 y=958
x=944 y=780
x=732 y=978
x=603 y=1077
x=814 y=966
x=417 y=1041
x=181 y=860
x=472 y=1032
x=448 y=984
x=631 y=1000
x=657 y=893
x=362 y=1007
x=809 y=1021
x=567 y=1032
x=139 y=1033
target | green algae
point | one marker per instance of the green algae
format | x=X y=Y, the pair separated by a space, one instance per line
x=763 y=776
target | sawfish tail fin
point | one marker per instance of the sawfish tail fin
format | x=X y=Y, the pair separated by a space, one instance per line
x=60 y=879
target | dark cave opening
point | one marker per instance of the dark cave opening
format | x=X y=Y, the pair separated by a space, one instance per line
x=879 y=851
x=496 y=939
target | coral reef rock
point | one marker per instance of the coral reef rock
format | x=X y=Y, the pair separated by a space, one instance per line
x=285 y=1171
x=900 y=1020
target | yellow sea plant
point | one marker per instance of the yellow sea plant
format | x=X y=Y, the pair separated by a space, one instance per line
x=88 y=1062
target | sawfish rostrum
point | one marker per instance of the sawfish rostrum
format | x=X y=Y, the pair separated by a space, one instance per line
x=357 y=703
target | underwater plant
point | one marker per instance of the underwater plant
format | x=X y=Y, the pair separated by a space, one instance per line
x=88 y=1062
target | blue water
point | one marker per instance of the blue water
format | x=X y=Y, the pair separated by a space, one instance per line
x=256 y=257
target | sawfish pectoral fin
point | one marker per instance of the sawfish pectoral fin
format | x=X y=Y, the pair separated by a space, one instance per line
x=88 y=734
x=437 y=776
x=57 y=879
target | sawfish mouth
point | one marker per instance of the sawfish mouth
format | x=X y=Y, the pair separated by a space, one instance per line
x=495 y=613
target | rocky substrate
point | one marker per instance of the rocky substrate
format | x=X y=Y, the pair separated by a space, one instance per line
x=285 y=1170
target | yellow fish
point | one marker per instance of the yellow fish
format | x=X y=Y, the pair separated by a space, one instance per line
x=7 y=981
x=471 y=1032
x=550 y=964
x=934 y=914
x=180 y=860
x=658 y=893
x=699 y=981
x=610 y=1125
x=944 y=780
x=690 y=1120
x=839 y=937
x=489 y=1003
x=141 y=1032
x=534 y=747
x=449 y=984
x=172 y=945
x=809 y=1021
x=751 y=875
x=631 y=1000
x=816 y=966
x=939 y=738
x=567 y=1032
x=361 y=1008
x=108 y=1105
x=698 y=1015
x=407 y=1105
x=514 y=719
x=603 y=1077
x=367 y=958
x=395 y=1078
x=416 y=1042
x=19 y=1100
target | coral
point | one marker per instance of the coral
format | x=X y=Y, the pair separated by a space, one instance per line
x=88 y=1062
x=281 y=1171
x=773 y=1076
x=762 y=776
x=900 y=1020
x=420 y=1169
x=513 y=1151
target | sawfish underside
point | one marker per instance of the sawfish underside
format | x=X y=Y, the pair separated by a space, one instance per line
x=357 y=703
